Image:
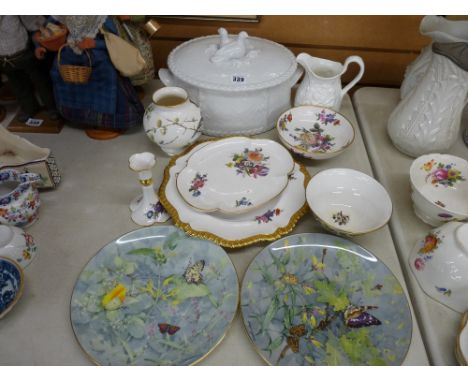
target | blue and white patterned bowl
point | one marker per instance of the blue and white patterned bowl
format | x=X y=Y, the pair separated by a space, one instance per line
x=11 y=284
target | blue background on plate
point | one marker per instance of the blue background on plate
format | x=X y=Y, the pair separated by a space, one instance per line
x=130 y=334
x=284 y=272
x=10 y=281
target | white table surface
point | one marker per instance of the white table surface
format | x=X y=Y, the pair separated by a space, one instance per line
x=391 y=167
x=90 y=208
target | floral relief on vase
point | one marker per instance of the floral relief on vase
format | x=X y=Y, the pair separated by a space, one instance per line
x=252 y=163
x=442 y=174
x=312 y=139
x=198 y=183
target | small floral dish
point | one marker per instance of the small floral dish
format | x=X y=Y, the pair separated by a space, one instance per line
x=17 y=245
x=461 y=347
x=269 y=222
x=439 y=188
x=154 y=296
x=315 y=132
x=235 y=175
x=11 y=284
x=439 y=262
x=316 y=299
x=20 y=205
x=348 y=202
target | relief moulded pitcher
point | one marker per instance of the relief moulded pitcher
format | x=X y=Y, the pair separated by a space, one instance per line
x=321 y=85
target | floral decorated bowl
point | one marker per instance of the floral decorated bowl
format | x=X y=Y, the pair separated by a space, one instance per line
x=439 y=262
x=19 y=206
x=439 y=188
x=11 y=284
x=17 y=245
x=315 y=132
x=348 y=202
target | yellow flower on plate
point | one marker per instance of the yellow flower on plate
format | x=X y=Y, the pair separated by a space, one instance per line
x=290 y=279
x=114 y=299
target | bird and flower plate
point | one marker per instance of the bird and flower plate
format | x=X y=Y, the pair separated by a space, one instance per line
x=316 y=299
x=154 y=296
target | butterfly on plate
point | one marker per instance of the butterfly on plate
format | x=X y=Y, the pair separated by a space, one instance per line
x=167 y=328
x=293 y=340
x=193 y=272
x=357 y=316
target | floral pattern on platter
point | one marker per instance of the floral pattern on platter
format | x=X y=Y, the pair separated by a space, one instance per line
x=442 y=174
x=10 y=282
x=285 y=119
x=325 y=118
x=340 y=218
x=268 y=216
x=428 y=245
x=250 y=162
x=154 y=297
x=312 y=301
x=197 y=183
x=313 y=139
x=446 y=292
x=243 y=202
x=440 y=204
x=156 y=210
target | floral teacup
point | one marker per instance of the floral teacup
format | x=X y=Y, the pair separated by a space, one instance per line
x=19 y=206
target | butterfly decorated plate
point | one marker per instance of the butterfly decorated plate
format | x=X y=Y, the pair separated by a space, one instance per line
x=315 y=132
x=154 y=297
x=234 y=175
x=268 y=222
x=316 y=299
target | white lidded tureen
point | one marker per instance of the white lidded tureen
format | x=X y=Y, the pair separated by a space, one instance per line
x=241 y=83
x=439 y=262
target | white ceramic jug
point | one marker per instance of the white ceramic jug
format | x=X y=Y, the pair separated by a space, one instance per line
x=428 y=119
x=440 y=30
x=321 y=85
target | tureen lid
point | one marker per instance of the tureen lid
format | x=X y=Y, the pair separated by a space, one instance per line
x=230 y=62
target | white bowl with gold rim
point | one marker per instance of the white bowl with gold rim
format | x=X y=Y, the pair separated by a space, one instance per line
x=348 y=202
x=315 y=132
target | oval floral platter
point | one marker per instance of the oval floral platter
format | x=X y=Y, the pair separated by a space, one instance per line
x=11 y=284
x=235 y=174
x=154 y=297
x=315 y=132
x=316 y=299
x=268 y=222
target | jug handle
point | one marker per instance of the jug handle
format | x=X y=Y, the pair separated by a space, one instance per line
x=358 y=60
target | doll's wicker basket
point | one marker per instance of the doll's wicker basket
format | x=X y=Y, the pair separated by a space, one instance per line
x=74 y=74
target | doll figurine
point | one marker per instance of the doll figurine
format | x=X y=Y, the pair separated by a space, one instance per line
x=22 y=69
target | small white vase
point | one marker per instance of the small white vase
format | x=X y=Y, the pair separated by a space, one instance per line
x=428 y=119
x=171 y=120
x=440 y=30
